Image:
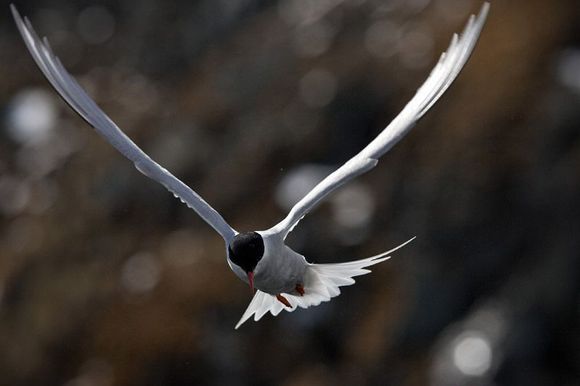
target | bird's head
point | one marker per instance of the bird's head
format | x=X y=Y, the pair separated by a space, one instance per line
x=246 y=250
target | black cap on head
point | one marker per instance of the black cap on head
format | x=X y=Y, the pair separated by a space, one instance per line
x=246 y=250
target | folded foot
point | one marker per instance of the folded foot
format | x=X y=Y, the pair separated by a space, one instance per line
x=283 y=300
x=300 y=289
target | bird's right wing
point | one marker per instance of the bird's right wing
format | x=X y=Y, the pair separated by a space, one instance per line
x=444 y=73
x=77 y=98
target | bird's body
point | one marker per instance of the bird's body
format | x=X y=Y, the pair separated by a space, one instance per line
x=283 y=279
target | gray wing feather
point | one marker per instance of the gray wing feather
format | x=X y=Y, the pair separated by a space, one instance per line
x=440 y=78
x=77 y=98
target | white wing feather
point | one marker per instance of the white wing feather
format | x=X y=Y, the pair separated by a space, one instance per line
x=77 y=98
x=321 y=283
x=440 y=78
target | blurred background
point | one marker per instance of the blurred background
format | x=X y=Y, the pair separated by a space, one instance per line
x=106 y=279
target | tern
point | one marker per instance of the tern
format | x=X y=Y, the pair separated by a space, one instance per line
x=279 y=277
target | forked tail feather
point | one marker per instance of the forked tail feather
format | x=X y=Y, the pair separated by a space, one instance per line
x=321 y=283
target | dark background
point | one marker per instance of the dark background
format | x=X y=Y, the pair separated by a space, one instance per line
x=106 y=279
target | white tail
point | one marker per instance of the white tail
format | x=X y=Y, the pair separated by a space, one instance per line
x=321 y=283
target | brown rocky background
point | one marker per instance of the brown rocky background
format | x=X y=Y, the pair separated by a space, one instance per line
x=106 y=279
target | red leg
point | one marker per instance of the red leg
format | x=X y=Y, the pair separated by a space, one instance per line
x=283 y=300
x=300 y=289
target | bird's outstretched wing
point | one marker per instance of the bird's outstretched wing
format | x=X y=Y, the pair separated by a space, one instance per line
x=446 y=70
x=77 y=98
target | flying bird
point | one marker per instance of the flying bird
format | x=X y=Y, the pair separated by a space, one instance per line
x=279 y=277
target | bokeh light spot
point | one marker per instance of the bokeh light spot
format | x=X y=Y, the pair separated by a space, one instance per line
x=96 y=24
x=140 y=273
x=318 y=88
x=31 y=116
x=472 y=354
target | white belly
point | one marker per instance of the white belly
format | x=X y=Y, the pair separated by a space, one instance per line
x=280 y=273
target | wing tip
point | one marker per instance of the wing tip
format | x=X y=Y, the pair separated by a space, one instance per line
x=484 y=9
x=20 y=23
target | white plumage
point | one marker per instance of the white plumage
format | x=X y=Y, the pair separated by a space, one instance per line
x=321 y=283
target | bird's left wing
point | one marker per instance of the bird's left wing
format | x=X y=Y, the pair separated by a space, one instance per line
x=444 y=73
x=77 y=98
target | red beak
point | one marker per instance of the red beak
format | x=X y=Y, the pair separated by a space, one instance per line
x=251 y=280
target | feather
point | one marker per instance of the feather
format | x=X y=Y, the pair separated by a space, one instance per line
x=321 y=283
